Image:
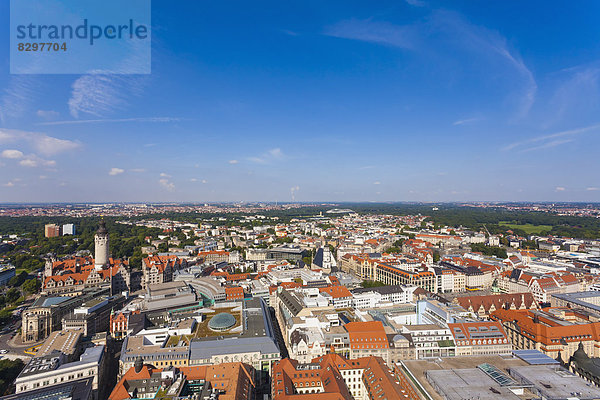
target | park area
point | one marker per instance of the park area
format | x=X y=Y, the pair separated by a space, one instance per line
x=527 y=228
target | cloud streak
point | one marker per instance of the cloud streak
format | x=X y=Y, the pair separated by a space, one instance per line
x=548 y=141
x=465 y=121
x=268 y=157
x=448 y=34
x=116 y=120
x=17 y=97
x=377 y=32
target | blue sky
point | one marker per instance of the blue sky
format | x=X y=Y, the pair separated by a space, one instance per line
x=320 y=101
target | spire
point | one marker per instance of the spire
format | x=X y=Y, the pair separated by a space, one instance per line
x=559 y=358
x=102 y=228
x=139 y=363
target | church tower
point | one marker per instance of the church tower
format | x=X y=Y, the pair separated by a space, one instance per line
x=48 y=270
x=101 y=247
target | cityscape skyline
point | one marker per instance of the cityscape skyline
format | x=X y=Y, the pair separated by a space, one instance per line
x=414 y=101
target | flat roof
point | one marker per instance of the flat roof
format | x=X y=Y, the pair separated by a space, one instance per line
x=554 y=382
x=419 y=367
x=205 y=349
x=168 y=287
x=65 y=341
x=256 y=318
x=534 y=357
x=579 y=298
x=471 y=383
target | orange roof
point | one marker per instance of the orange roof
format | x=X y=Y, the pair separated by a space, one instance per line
x=367 y=335
x=337 y=292
x=546 y=330
x=234 y=379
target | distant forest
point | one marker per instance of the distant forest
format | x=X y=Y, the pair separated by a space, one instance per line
x=495 y=219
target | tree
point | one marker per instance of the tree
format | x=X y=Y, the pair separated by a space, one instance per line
x=9 y=370
x=436 y=256
x=489 y=250
x=12 y=295
x=18 y=280
x=398 y=243
x=163 y=247
x=32 y=286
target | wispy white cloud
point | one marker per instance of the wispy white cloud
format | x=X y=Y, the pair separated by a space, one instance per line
x=47 y=114
x=269 y=156
x=592 y=189
x=375 y=32
x=416 y=3
x=289 y=32
x=115 y=171
x=465 y=121
x=444 y=30
x=550 y=140
x=164 y=175
x=577 y=93
x=233 y=162
x=559 y=189
x=167 y=184
x=547 y=145
x=17 y=97
x=489 y=43
x=99 y=94
x=116 y=120
x=376 y=183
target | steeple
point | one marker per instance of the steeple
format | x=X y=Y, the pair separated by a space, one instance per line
x=139 y=363
x=101 y=246
x=102 y=228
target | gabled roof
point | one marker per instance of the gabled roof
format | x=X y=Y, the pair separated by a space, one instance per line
x=517 y=300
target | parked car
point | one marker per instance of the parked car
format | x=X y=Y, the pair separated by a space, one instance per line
x=3 y=351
